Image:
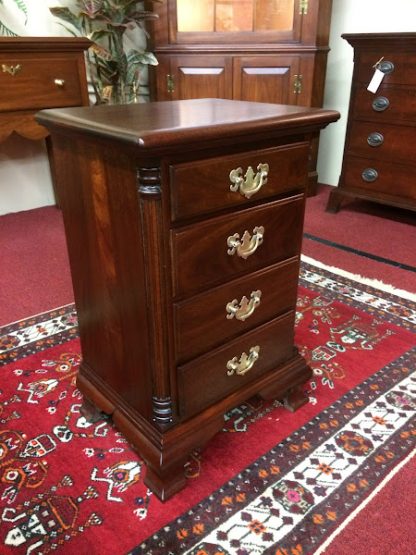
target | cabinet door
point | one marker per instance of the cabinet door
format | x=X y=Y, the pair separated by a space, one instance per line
x=234 y=21
x=200 y=76
x=265 y=78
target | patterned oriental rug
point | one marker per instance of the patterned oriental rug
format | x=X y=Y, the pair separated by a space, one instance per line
x=271 y=482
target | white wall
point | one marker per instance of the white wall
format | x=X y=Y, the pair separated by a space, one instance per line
x=24 y=170
x=25 y=180
x=353 y=16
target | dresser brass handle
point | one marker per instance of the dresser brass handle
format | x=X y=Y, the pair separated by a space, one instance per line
x=12 y=70
x=242 y=365
x=245 y=308
x=59 y=82
x=251 y=183
x=247 y=245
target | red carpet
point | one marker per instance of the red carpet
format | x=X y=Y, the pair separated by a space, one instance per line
x=367 y=227
x=34 y=272
x=68 y=487
x=372 y=529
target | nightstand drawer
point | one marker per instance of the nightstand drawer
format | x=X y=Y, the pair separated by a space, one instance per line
x=205 y=186
x=382 y=141
x=387 y=179
x=222 y=313
x=221 y=248
x=215 y=375
x=32 y=82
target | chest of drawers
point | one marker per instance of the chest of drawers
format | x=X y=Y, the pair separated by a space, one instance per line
x=184 y=224
x=35 y=73
x=379 y=158
x=39 y=72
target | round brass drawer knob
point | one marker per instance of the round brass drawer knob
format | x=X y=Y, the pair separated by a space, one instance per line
x=380 y=104
x=369 y=175
x=375 y=139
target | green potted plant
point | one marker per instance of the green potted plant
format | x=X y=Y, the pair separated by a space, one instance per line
x=5 y=29
x=115 y=69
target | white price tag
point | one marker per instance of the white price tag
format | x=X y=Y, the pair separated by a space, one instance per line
x=375 y=81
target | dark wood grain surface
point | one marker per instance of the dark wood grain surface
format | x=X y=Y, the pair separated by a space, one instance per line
x=158 y=124
x=391 y=161
x=148 y=212
x=285 y=66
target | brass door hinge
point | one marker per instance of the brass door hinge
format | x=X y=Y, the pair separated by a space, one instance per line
x=297 y=84
x=303 y=7
x=170 y=83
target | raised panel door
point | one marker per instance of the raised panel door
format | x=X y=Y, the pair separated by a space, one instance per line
x=272 y=79
x=200 y=76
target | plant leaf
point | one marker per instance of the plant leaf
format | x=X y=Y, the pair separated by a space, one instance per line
x=66 y=15
x=141 y=57
x=5 y=31
x=22 y=7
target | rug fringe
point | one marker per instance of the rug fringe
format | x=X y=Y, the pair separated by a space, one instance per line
x=377 y=284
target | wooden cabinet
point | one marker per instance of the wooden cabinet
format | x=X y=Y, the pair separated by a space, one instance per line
x=184 y=243
x=255 y=50
x=39 y=72
x=379 y=162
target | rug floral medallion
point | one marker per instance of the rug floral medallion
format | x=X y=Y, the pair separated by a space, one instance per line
x=271 y=482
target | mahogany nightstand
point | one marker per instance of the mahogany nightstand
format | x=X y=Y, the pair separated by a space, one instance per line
x=184 y=226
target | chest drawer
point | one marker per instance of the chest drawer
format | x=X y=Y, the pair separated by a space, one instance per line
x=390 y=104
x=386 y=173
x=211 y=377
x=221 y=248
x=32 y=82
x=205 y=186
x=209 y=319
x=401 y=67
x=382 y=141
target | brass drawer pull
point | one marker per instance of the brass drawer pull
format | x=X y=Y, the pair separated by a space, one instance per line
x=242 y=365
x=251 y=183
x=245 y=308
x=375 y=139
x=59 y=82
x=247 y=245
x=369 y=175
x=12 y=70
